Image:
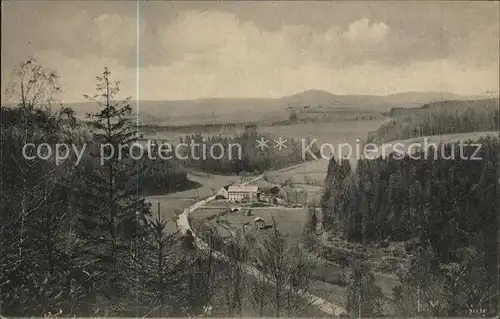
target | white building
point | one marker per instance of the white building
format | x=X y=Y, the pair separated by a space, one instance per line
x=243 y=193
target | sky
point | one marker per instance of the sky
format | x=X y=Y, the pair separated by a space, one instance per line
x=189 y=50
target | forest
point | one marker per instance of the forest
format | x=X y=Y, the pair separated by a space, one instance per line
x=70 y=233
x=254 y=159
x=447 y=117
x=447 y=209
x=80 y=240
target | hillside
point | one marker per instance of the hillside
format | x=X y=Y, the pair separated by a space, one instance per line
x=318 y=97
x=447 y=105
x=418 y=98
x=438 y=118
x=418 y=219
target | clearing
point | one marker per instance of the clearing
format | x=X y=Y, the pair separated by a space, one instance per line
x=174 y=203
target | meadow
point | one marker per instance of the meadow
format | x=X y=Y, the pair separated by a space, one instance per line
x=290 y=220
x=174 y=203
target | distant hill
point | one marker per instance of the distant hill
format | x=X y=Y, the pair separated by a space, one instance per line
x=445 y=105
x=231 y=110
x=315 y=97
x=213 y=110
x=417 y=98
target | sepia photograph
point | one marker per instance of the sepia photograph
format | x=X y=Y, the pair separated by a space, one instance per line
x=230 y=159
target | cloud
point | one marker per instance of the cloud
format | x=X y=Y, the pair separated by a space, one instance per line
x=218 y=54
x=78 y=76
x=215 y=37
x=184 y=80
x=364 y=31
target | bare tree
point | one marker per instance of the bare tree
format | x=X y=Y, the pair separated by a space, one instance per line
x=237 y=253
x=260 y=296
x=34 y=208
x=206 y=280
x=298 y=283
x=364 y=297
x=286 y=272
x=33 y=85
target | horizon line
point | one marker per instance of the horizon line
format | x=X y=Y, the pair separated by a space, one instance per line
x=476 y=95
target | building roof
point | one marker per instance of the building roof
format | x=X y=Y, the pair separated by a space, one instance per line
x=243 y=189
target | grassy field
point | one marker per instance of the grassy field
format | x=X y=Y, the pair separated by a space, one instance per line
x=174 y=203
x=290 y=220
x=324 y=280
x=309 y=175
x=331 y=132
x=334 y=133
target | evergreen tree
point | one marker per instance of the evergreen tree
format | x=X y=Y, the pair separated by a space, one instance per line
x=112 y=213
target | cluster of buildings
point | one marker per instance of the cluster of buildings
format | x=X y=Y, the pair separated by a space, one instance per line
x=248 y=193
x=256 y=195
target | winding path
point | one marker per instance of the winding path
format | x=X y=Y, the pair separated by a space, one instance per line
x=183 y=225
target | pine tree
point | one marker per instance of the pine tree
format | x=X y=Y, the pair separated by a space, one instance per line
x=112 y=213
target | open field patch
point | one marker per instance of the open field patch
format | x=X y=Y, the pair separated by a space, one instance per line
x=325 y=132
x=289 y=220
x=172 y=204
x=334 y=133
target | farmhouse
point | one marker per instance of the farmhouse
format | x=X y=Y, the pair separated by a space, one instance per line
x=243 y=193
